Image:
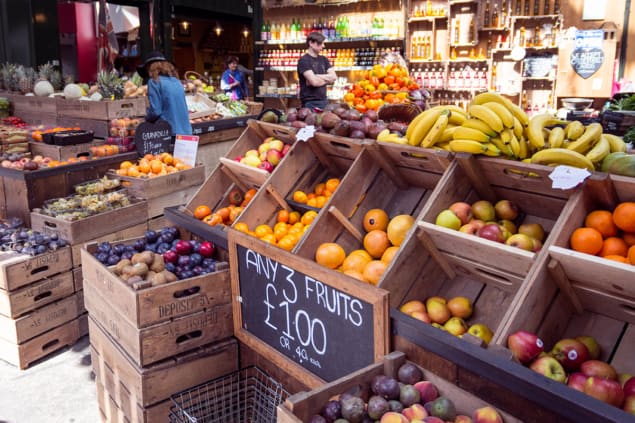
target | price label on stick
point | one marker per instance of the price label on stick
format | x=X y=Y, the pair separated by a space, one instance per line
x=185 y=148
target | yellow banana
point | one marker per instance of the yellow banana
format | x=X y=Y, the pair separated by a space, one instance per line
x=467 y=146
x=523 y=152
x=617 y=143
x=456 y=118
x=562 y=156
x=466 y=133
x=442 y=146
x=435 y=133
x=519 y=114
x=514 y=145
x=479 y=125
x=448 y=133
x=383 y=134
x=518 y=128
x=600 y=150
x=491 y=96
x=574 y=130
x=506 y=135
x=503 y=113
x=487 y=115
x=587 y=140
x=452 y=108
x=536 y=125
x=504 y=148
x=414 y=122
x=556 y=137
x=422 y=127
x=491 y=150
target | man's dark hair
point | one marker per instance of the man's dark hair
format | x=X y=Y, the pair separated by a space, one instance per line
x=231 y=59
x=318 y=37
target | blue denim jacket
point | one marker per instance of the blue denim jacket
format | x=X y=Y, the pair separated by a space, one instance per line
x=167 y=102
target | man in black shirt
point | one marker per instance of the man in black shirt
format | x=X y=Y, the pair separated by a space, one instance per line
x=315 y=73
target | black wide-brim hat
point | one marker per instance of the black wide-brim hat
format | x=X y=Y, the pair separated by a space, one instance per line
x=154 y=56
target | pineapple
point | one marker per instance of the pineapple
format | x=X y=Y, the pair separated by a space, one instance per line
x=5 y=75
x=56 y=80
x=16 y=77
x=27 y=80
x=48 y=72
x=45 y=71
x=110 y=85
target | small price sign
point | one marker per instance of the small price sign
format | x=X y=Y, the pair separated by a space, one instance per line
x=297 y=314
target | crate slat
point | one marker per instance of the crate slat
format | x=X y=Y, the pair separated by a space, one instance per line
x=29 y=297
x=17 y=270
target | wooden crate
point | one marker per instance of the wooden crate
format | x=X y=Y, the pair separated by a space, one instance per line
x=372 y=182
x=100 y=128
x=130 y=385
x=33 y=104
x=62 y=152
x=147 y=307
x=471 y=179
x=155 y=224
x=301 y=406
x=41 y=320
x=157 y=205
x=38 y=118
x=93 y=226
x=255 y=133
x=111 y=413
x=104 y=110
x=126 y=233
x=148 y=188
x=324 y=156
x=37 y=294
x=154 y=343
x=78 y=279
x=17 y=270
x=27 y=353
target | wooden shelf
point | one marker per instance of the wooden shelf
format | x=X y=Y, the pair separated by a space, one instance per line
x=338 y=41
x=426 y=18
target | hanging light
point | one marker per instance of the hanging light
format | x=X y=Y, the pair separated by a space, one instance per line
x=185 y=25
x=218 y=29
x=245 y=32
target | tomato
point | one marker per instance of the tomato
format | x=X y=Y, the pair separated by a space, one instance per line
x=388 y=80
x=375 y=95
x=361 y=108
x=374 y=81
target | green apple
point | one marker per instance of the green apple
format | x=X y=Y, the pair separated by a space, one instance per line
x=456 y=326
x=483 y=210
x=534 y=230
x=448 y=219
x=481 y=331
x=522 y=241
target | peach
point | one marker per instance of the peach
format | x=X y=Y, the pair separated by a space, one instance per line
x=415 y=412
x=486 y=414
x=432 y=419
x=462 y=419
x=427 y=391
x=393 y=417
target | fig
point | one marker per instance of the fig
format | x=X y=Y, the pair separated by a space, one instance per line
x=397 y=127
x=352 y=114
x=340 y=112
x=30 y=165
x=298 y=124
x=377 y=407
x=357 y=134
x=332 y=411
x=292 y=116
x=342 y=128
x=353 y=409
x=375 y=129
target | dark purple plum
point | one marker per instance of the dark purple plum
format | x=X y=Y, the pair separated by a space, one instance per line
x=113 y=259
x=184 y=261
x=196 y=259
x=151 y=236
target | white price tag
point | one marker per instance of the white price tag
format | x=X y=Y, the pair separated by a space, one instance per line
x=567 y=177
x=304 y=134
x=185 y=148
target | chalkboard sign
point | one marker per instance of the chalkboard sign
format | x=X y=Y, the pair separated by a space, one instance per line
x=587 y=61
x=327 y=325
x=153 y=138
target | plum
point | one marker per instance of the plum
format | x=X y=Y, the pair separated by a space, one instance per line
x=151 y=236
x=103 y=247
x=170 y=267
x=102 y=257
x=196 y=259
x=118 y=249
x=113 y=259
x=332 y=411
x=184 y=261
x=139 y=245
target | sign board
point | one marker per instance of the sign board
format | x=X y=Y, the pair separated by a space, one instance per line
x=185 y=147
x=153 y=138
x=301 y=315
x=587 y=56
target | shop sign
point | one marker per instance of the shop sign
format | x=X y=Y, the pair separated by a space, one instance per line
x=153 y=138
x=587 y=55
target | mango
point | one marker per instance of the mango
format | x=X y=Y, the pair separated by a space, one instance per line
x=393 y=417
x=486 y=415
x=415 y=412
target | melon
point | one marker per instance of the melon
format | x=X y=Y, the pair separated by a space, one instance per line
x=43 y=88
x=72 y=91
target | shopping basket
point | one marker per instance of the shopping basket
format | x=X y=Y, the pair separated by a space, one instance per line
x=245 y=396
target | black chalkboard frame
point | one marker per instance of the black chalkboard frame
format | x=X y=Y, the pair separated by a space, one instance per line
x=378 y=298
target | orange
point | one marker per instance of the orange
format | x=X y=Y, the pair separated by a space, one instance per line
x=300 y=197
x=144 y=166
x=282 y=216
x=354 y=274
x=213 y=219
x=375 y=219
x=389 y=254
x=234 y=213
x=294 y=217
x=614 y=246
x=586 y=240
x=148 y=157
x=319 y=189
x=624 y=216
x=279 y=231
x=629 y=238
x=250 y=194
x=398 y=227
x=224 y=213
x=312 y=202
x=241 y=226
x=262 y=230
x=602 y=221
x=373 y=271
x=166 y=158
x=376 y=242
x=615 y=257
x=332 y=184
x=156 y=166
x=631 y=254
x=125 y=164
x=201 y=211
x=320 y=200
x=330 y=254
x=133 y=171
x=287 y=242
x=308 y=217
x=355 y=262
x=269 y=238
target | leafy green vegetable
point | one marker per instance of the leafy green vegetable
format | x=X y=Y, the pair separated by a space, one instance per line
x=624 y=103
x=629 y=136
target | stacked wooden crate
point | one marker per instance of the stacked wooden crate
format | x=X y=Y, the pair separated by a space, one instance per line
x=151 y=343
x=35 y=110
x=96 y=115
x=40 y=309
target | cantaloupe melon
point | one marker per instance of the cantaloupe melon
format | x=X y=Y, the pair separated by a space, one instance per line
x=72 y=91
x=43 y=88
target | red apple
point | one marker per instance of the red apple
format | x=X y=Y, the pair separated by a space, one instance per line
x=415 y=412
x=265 y=165
x=629 y=404
x=285 y=149
x=487 y=414
x=472 y=227
x=274 y=157
x=605 y=390
x=598 y=368
x=506 y=209
x=629 y=387
x=549 y=367
x=462 y=210
x=591 y=345
x=577 y=381
x=537 y=245
x=525 y=346
x=492 y=231
x=570 y=353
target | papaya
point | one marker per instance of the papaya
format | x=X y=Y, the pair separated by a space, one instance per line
x=608 y=160
x=624 y=166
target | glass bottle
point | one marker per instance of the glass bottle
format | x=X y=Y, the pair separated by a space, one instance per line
x=486 y=15
x=332 y=31
x=488 y=51
x=522 y=41
x=537 y=37
x=457 y=30
x=518 y=7
x=471 y=34
x=495 y=22
x=503 y=14
x=536 y=7
x=546 y=8
x=556 y=7
x=428 y=8
x=453 y=53
x=493 y=81
x=526 y=9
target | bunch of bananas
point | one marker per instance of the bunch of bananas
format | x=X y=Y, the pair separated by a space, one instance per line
x=494 y=126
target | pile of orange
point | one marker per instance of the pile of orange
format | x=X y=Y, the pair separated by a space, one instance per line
x=320 y=194
x=226 y=215
x=289 y=228
x=608 y=234
x=150 y=166
x=381 y=243
x=37 y=135
x=70 y=160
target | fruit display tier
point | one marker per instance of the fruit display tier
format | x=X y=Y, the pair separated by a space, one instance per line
x=22 y=191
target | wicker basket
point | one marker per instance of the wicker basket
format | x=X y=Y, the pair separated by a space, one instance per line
x=253 y=107
x=196 y=75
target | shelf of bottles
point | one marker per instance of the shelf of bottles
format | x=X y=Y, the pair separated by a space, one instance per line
x=460 y=76
x=344 y=59
x=427 y=10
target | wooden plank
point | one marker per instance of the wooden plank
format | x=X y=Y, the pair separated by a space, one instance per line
x=38 y=118
x=17 y=270
x=78 y=279
x=157 y=205
x=41 y=320
x=63 y=152
x=154 y=343
x=155 y=383
x=33 y=104
x=249 y=174
x=93 y=226
x=148 y=188
x=111 y=413
x=99 y=127
x=37 y=294
x=135 y=231
x=157 y=304
x=23 y=355
x=230 y=134
x=103 y=110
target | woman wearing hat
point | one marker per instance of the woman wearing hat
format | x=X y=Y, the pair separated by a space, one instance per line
x=165 y=94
